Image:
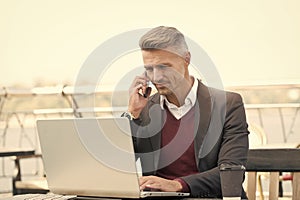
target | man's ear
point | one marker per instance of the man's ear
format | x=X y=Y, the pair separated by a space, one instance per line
x=187 y=58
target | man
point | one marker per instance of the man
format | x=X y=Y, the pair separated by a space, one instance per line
x=186 y=130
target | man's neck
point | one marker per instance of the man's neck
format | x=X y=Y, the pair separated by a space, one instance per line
x=178 y=97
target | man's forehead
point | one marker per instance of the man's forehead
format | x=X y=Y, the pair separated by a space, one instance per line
x=159 y=54
x=147 y=65
x=153 y=60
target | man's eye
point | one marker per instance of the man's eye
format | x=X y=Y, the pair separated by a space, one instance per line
x=149 y=69
x=162 y=66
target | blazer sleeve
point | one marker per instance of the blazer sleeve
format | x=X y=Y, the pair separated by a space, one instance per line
x=231 y=148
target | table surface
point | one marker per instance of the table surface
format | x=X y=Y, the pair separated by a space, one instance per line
x=274 y=159
x=23 y=197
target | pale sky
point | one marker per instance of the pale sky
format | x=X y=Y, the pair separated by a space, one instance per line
x=255 y=41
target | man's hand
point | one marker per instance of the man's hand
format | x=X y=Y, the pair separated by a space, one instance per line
x=137 y=101
x=157 y=183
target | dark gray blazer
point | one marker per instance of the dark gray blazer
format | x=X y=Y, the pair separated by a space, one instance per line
x=221 y=136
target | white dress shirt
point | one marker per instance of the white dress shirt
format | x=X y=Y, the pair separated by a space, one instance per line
x=189 y=102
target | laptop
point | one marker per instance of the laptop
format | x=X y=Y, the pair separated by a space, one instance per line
x=92 y=157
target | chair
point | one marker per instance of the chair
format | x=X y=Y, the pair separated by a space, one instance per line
x=257 y=137
x=22 y=185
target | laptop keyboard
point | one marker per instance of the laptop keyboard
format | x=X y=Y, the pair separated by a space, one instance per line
x=48 y=197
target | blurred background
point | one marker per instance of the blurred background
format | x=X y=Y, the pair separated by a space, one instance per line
x=44 y=44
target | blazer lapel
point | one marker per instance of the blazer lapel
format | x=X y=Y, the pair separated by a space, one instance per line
x=202 y=117
x=156 y=115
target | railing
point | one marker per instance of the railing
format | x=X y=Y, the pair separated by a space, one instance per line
x=286 y=131
x=20 y=108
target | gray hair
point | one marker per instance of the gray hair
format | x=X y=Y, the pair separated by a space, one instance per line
x=165 y=38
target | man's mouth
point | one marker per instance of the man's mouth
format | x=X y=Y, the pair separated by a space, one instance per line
x=160 y=85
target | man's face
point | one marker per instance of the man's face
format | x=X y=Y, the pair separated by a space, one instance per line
x=166 y=70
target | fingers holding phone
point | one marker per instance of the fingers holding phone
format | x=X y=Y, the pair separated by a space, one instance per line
x=147 y=90
x=138 y=94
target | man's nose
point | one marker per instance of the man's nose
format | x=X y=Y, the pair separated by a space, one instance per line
x=157 y=75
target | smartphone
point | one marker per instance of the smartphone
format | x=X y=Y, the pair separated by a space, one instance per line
x=148 y=89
